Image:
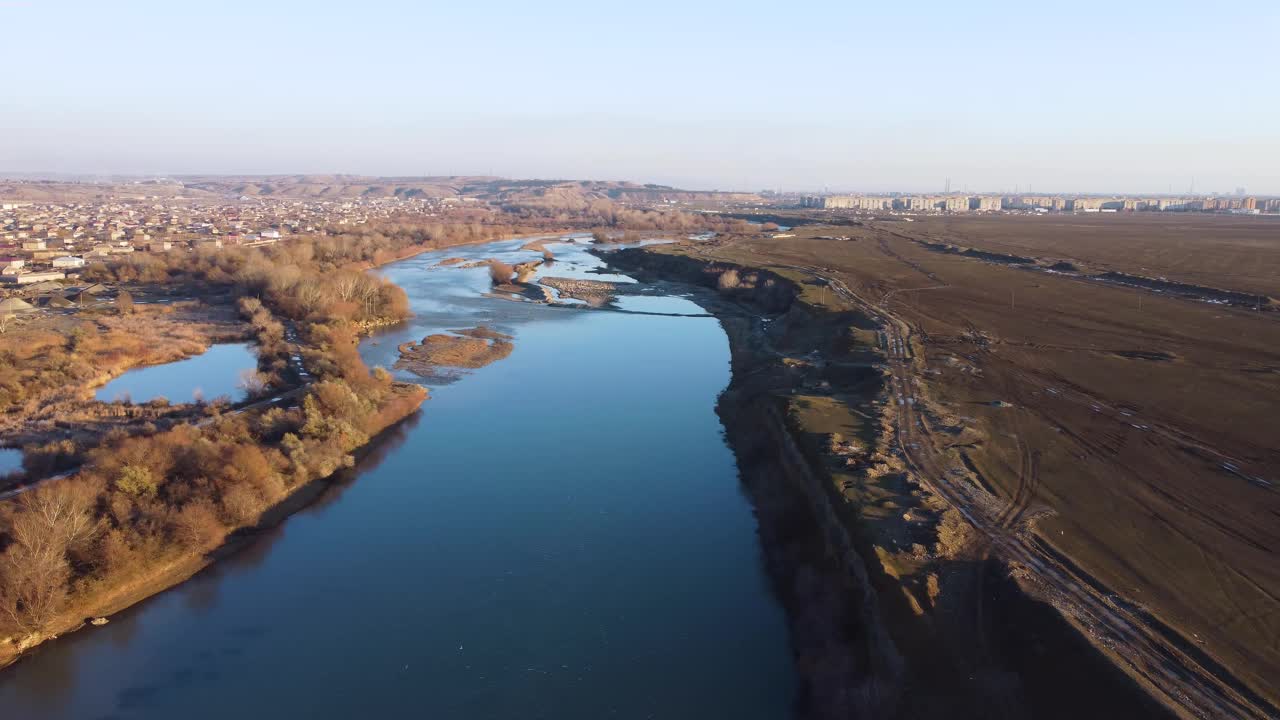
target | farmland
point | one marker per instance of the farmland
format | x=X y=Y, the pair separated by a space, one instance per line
x=1231 y=252
x=1112 y=446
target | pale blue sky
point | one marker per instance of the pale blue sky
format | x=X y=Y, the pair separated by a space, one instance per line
x=1085 y=95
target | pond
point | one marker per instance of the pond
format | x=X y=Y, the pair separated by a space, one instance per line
x=215 y=373
x=10 y=460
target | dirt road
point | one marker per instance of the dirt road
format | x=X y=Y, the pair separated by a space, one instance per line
x=1164 y=662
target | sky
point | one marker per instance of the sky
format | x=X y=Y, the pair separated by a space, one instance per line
x=1141 y=96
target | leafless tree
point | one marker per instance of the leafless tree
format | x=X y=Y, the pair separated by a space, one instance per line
x=62 y=511
x=254 y=383
x=34 y=569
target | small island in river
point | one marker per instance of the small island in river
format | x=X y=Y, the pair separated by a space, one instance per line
x=471 y=348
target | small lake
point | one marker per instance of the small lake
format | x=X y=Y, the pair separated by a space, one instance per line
x=10 y=460
x=213 y=374
x=559 y=535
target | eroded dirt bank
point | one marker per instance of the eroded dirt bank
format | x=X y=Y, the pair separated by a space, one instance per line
x=954 y=635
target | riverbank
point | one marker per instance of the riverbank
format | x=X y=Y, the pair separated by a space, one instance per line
x=846 y=662
x=884 y=593
x=151 y=504
x=348 y=406
x=175 y=570
x=603 y=575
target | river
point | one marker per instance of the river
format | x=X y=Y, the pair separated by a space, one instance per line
x=557 y=535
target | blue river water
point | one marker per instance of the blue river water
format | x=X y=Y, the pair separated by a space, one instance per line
x=558 y=535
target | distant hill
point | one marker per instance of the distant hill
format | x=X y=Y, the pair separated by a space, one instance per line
x=330 y=187
x=579 y=193
x=560 y=193
x=56 y=191
x=566 y=194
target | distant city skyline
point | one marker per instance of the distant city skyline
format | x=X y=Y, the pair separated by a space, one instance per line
x=1139 y=98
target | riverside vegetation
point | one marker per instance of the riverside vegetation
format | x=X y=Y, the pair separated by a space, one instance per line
x=146 y=501
x=153 y=501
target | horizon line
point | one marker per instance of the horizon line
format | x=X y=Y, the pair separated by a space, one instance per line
x=107 y=177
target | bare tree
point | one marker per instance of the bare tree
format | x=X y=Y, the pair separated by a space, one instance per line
x=310 y=295
x=34 y=569
x=254 y=383
x=34 y=585
x=63 y=511
x=347 y=285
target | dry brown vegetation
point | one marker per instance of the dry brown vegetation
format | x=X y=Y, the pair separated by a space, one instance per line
x=500 y=273
x=146 y=501
x=471 y=348
x=158 y=496
x=49 y=365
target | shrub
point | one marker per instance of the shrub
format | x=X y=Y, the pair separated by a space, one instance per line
x=499 y=272
x=136 y=481
x=241 y=504
x=197 y=525
x=254 y=383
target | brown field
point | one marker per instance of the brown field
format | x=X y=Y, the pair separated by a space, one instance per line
x=1222 y=251
x=1131 y=441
